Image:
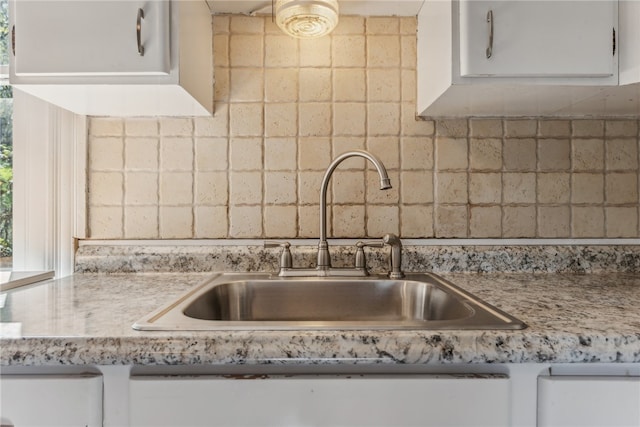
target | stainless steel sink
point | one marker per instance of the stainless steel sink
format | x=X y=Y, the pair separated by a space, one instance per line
x=258 y=301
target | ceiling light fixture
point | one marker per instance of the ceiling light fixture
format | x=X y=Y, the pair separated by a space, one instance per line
x=306 y=18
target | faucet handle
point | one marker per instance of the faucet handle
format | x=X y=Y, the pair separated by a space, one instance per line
x=285 y=256
x=361 y=259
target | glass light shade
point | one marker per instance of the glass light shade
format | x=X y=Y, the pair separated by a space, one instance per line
x=306 y=18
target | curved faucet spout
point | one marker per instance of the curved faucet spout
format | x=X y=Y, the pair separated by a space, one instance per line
x=324 y=259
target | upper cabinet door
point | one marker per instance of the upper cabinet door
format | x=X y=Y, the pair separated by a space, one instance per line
x=529 y=38
x=84 y=38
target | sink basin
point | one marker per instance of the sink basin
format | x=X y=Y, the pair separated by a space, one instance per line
x=258 y=301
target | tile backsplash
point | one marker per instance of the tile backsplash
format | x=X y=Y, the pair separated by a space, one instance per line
x=286 y=107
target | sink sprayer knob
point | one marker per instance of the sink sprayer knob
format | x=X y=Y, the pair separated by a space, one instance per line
x=286 y=261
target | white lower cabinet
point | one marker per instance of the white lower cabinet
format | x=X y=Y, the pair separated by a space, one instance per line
x=589 y=401
x=321 y=400
x=51 y=400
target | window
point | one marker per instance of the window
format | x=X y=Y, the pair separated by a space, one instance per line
x=6 y=144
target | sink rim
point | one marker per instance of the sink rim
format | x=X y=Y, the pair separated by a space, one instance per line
x=171 y=317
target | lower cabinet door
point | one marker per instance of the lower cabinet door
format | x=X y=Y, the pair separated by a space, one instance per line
x=588 y=401
x=51 y=400
x=323 y=400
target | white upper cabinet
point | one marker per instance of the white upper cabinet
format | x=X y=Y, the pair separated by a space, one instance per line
x=115 y=57
x=69 y=38
x=537 y=38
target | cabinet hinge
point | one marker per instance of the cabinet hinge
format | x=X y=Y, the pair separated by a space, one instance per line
x=13 y=40
x=614 y=42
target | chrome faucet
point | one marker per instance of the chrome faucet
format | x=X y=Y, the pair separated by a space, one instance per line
x=324 y=258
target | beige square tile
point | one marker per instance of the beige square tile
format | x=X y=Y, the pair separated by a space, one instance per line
x=554 y=154
x=390 y=196
x=413 y=125
x=245 y=120
x=416 y=153
x=315 y=52
x=485 y=128
x=348 y=50
x=221 y=50
x=141 y=188
x=519 y=187
x=554 y=188
x=451 y=153
x=211 y=154
x=245 y=188
x=383 y=84
x=350 y=25
x=621 y=128
x=518 y=221
x=408 y=87
x=314 y=119
x=246 y=50
x=106 y=222
x=106 y=126
x=587 y=128
x=280 y=188
x=408 y=25
x=246 y=85
x=348 y=187
x=588 y=154
x=245 y=222
x=280 y=154
x=211 y=188
x=383 y=51
x=342 y=144
x=246 y=24
x=587 y=221
x=141 y=222
x=270 y=26
x=105 y=188
x=382 y=220
x=454 y=128
x=451 y=221
x=218 y=125
x=309 y=187
x=387 y=149
x=451 y=187
x=176 y=222
x=211 y=222
x=176 y=154
x=621 y=188
x=221 y=24
x=280 y=221
x=308 y=221
x=176 y=126
x=281 y=50
x=519 y=154
x=554 y=128
x=222 y=86
x=485 y=188
x=587 y=188
x=416 y=221
x=281 y=84
x=141 y=127
x=348 y=221
x=106 y=154
x=485 y=221
x=409 y=51
x=621 y=154
x=621 y=222
x=485 y=154
x=349 y=84
x=554 y=221
x=315 y=84
x=280 y=119
x=176 y=188
x=314 y=153
x=383 y=118
x=141 y=154
x=349 y=118
x=382 y=25
x=416 y=186
x=516 y=128
x=246 y=154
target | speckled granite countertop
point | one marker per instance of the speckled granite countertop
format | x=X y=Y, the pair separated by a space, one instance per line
x=87 y=318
